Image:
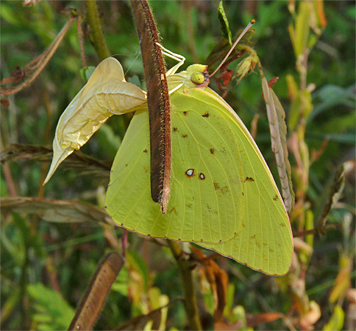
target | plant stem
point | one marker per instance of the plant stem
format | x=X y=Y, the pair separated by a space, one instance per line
x=23 y=288
x=190 y=302
x=96 y=29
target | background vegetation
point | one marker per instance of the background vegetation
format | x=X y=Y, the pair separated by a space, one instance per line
x=46 y=266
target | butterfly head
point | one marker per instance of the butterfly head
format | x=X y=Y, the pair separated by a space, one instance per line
x=199 y=75
x=196 y=75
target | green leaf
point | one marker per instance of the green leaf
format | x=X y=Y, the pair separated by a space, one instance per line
x=224 y=23
x=120 y=284
x=302 y=28
x=86 y=72
x=8 y=15
x=336 y=321
x=137 y=262
x=52 y=311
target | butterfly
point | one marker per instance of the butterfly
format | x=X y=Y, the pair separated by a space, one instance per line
x=223 y=196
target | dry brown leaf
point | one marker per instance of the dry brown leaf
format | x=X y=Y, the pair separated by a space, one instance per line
x=311 y=317
x=96 y=293
x=218 y=280
x=254 y=320
x=223 y=326
x=106 y=93
x=343 y=279
x=85 y=164
x=278 y=129
x=59 y=211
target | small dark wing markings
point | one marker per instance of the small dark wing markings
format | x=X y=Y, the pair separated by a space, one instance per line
x=184 y=136
x=212 y=151
x=224 y=151
x=201 y=176
x=173 y=210
x=211 y=210
x=249 y=179
x=185 y=113
x=206 y=114
x=223 y=189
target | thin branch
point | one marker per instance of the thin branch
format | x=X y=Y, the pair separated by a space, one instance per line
x=190 y=303
x=9 y=180
x=96 y=30
x=80 y=39
x=316 y=230
x=40 y=62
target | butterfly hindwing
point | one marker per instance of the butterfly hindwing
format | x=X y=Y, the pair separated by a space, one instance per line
x=203 y=187
x=223 y=196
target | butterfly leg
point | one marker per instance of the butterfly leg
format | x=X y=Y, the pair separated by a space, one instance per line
x=174 y=56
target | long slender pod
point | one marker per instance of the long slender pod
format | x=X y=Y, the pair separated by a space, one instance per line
x=158 y=103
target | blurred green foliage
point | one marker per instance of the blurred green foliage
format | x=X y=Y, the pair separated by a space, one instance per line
x=38 y=258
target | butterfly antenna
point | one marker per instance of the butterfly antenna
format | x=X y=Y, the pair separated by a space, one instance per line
x=233 y=46
x=132 y=63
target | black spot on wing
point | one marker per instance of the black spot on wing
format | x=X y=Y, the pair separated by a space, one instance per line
x=206 y=114
x=201 y=176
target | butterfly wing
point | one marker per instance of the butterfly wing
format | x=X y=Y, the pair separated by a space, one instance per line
x=220 y=182
x=264 y=241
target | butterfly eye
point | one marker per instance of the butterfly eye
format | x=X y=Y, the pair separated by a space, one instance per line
x=197 y=78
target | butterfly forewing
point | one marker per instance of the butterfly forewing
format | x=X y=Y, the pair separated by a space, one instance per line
x=200 y=207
